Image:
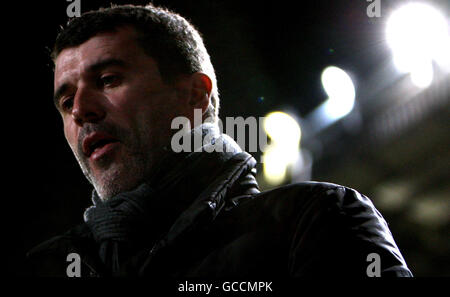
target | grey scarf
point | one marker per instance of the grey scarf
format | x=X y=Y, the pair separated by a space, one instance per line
x=130 y=220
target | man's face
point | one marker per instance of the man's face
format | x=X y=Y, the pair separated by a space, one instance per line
x=116 y=109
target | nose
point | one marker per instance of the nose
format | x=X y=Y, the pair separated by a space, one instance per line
x=87 y=106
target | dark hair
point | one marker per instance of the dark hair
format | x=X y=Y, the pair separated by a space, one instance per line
x=167 y=37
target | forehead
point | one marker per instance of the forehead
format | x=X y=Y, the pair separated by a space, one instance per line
x=120 y=44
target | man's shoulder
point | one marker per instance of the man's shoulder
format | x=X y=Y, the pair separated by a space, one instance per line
x=330 y=205
x=319 y=218
x=302 y=189
x=311 y=190
x=305 y=196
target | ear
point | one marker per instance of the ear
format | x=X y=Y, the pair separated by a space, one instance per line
x=200 y=94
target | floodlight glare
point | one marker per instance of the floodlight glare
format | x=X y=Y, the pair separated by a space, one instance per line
x=282 y=128
x=285 y=134
x=422 y=74
x=274 y=165
x=340 y=90
x=418 y=34
x=341 y=98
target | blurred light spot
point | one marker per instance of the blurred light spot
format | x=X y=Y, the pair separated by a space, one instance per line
x=431 y=211
x=283 y=150
x=340 y=90
x=392 y=196
x=422 y=73
x=442 y=54
x=418 y=34
x=282 y=128
x=275 y=164
x=340 y=102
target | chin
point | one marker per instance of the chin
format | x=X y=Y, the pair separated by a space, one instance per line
x=116 y=180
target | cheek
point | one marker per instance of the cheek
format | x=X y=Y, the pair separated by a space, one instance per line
x=148 y=114
x=153 y=126
x=71 y=135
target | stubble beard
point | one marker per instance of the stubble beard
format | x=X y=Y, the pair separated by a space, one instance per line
x=121 y=171
x=115 y=176
x=138 y=153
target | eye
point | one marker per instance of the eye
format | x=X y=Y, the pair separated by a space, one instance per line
x=66 y=103
x=108 y=80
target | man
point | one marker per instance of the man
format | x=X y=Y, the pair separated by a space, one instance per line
x=121 y=76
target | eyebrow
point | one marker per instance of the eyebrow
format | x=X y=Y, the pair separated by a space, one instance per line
x=102 y=64
x=95 y=67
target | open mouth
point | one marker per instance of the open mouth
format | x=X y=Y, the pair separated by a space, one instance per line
x=95 y=142
x=100 y=144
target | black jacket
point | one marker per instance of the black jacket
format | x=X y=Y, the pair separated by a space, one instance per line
x=210 y=220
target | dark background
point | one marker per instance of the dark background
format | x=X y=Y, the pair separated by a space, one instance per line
x=268 y=56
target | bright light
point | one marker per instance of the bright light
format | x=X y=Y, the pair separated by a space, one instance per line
x=442 y=54
x=283 y=150
x=418 y=34
x=422 y=74
x=341 y=98
x=340 y=90
x=275 y=165
x=282 y=128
